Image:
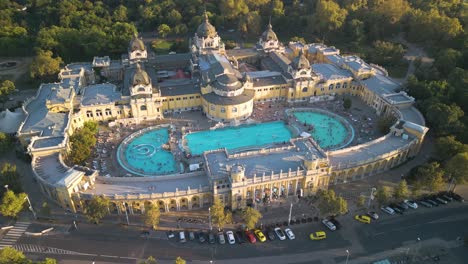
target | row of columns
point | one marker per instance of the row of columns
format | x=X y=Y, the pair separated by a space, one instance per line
x=121 y=206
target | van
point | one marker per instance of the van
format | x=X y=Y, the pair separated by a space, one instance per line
x=182 y=237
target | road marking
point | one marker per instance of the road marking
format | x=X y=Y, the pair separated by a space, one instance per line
x=14 y=234
x=107 y=256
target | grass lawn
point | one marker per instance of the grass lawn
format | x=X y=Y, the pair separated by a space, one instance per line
x=162 y=46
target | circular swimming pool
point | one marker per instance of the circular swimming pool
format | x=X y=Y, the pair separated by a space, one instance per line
x=142 y=153
x=329 y=130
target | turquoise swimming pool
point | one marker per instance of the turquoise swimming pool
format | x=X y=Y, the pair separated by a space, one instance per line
x=238 y=137
x=327 y=131
x=144 y=154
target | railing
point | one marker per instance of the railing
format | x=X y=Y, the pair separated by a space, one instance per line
x=107 y=180
x=141 y=196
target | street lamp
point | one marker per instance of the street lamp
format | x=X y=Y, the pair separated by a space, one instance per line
x=290 y=212
x=209 y=218
x=30 y=206
x=126 y=213
x=347 y=256
x=371 y=197
x=6 y=187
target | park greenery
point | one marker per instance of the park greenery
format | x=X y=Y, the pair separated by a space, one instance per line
x=152 y=215
x=97 y=208
x=330 y=204
x=250 y=217
x=12 y=203
x=152 y=260
x=219 y=215
x=5 y=142
x=82 y=141
x=6 y=88
x=9 y=176
x=10 y=255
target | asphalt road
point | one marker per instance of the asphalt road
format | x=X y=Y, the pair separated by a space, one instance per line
x=108 y=243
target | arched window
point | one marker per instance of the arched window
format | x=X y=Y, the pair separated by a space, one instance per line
x=108 y=112
x=89 y=114
x=330 y=87
x=141 y=89
x=303 y=72
x=223 y=110
x=338 y=86
x=213 y=108
x=234 y=109
x=345 y=85
x=143 y=108
x=304 y=90
x=98 y=112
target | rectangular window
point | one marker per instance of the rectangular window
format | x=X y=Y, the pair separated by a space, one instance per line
x=164 y=100
x=184 y=98
x=178 y=99
x=172 y=99
x=197 y=96
x=191 y=97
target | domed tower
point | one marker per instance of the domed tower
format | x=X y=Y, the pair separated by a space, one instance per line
x=300 y=67
x=140 y=82
x=137 y=50
x=206 y=37
x=268 y=42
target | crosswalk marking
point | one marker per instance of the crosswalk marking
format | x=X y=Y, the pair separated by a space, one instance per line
x=29 y=248
x=14 y=234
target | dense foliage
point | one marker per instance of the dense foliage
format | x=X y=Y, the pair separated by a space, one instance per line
x=81 y=142
x=10 y=255
x=12 y=203
x=97 y=208
x=9 y=176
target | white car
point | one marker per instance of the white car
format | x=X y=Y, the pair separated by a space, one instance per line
x=411 y=204
x=279 y=233
x=388 y=210
x=230 y=237
x=289 y=234
x=329 y=224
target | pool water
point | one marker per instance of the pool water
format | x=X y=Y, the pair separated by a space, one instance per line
x=238 y=137
x=327 y=131
x=145 y=155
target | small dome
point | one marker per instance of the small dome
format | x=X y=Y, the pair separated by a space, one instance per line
x=269 y=34
x=140 y=76
x=205 y=29
x=136 y=43
x=300 y=62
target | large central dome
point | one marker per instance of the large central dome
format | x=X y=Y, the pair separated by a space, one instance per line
x=136 y=43
x=205 y=29
x=140 y=76
x=269 y=34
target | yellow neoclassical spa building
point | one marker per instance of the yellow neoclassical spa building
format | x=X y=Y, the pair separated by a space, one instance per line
x=224 y=85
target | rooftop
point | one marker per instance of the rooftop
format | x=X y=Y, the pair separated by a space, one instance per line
x=174 y=87
x=330 y=71
x=258 y=164
x=47 y=142
x=213 y=98
x=399 y=98
x=266 y=78
x=52 y=170
x=381 y=85
x=100 y=94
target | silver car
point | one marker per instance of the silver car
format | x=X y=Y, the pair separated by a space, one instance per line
x=388 y=210
x=411 y=204
x=329 y=224
x=289 y=234
x=221 y=239
x=230 y=237
x=280 y=234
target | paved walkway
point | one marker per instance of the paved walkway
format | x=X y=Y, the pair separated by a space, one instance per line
x=14 y=234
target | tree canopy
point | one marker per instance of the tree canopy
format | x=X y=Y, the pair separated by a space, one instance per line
x=97 y=208
x=10 y=255
x=12 y=203
x=330 y=204
x=219 y=215
x=251 y=217
x=152 y=215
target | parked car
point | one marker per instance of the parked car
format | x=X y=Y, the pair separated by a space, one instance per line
x=221 y=239
x=396 y=208
x=170 y=234
x=250 y=237
x=363 y=218
x=230 y=237
x=211 y=238
x=260 y=235
x=191 y=236
x=403 y=205
x=319 y=235
x=457 y=197
x=201 y=237
x=240 y=237
x=411 y=204
x=182 y=237
x=388 y=210
x=425 y=203
x=271 y=234
x=329 y=224
x=290 y=234
x=279 y=233
x=445 y=196
x=335 y=222
x=373 y=215
x=440 y=200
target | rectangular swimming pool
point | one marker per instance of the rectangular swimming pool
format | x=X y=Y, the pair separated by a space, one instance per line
x=238 y=137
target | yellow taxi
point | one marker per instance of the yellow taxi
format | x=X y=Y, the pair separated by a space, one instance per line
x=260 y=235
x=363 y=219
x=319 y=235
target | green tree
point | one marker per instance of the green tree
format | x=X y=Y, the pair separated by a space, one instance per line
x=251 y=217
x=152 y=215
x=179 y=260
x=232 y=9
x=444 y=118
x=9 y=176
x=12 y=204
x=447 y=60
x=44 y=65
x=330 y=204
x=361 y=202
x=6 y=88
x=298 y=39
x=5 y=142
x=457 y=168
x=120 y=14
x=10 y=255
x=347 y=103
x=149 y=260
x=429 y=175
x=249 y=24
x=355 y=28
x=448 y=147
x=48 y=261
x=384 y=123
x=328 y=17
x=387 y=53
x=218 y=214
x=383 y=195
x=97 y=208
x=164 y=30
x=401 y=191
x=82 y=141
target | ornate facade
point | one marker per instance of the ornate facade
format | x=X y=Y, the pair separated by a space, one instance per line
x=220 y=83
